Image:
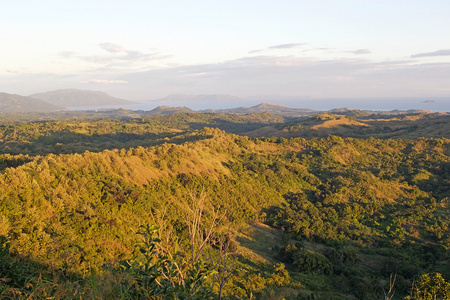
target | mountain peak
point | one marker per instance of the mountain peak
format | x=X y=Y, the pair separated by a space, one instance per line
x=268 y=105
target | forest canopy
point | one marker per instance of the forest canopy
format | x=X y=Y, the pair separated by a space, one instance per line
x=84 y=202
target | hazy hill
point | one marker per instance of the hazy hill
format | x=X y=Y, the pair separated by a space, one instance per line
x=17 y=103
x=167 y=110
x=74 y=97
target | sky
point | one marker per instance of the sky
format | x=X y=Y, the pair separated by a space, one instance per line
x=143 y=50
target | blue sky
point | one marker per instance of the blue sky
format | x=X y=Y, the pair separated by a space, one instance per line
x=142 y=50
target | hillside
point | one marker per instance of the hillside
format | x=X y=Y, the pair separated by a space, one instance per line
x=344 y=213
x=17 y=103
x=76 y=132
x=74 y=97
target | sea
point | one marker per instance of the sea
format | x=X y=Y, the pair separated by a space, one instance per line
x=373 y=104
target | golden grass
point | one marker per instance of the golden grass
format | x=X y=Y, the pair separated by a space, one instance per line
x=256 y=241
x=337 y=122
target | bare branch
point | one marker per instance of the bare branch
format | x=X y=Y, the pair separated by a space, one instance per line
x=390 y=294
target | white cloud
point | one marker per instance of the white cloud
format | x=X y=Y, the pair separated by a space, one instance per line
x=117 y=57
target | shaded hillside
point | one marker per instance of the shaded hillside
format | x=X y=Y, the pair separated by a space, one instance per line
x=74 y=97
x=16 y=103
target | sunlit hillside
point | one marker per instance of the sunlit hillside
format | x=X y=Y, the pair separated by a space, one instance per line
x=269 y=217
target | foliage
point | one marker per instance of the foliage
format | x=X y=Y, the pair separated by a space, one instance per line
x=430 y=287
x=308 y=260
x=348 y=211
x=157 y=275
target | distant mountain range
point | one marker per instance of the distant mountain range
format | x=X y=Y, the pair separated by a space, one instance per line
x=18 y=103
x=74 y=98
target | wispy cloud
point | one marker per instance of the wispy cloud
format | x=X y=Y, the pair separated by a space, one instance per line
x=278 y=47
x=443 y=52
x=117 y=57
x=321 y=49
x=287 y=46
x=361 y=51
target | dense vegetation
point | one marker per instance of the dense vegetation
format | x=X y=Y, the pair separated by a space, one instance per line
x=129 y=208
x=95 y=134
